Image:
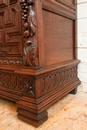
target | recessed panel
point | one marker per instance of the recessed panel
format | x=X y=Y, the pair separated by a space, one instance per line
x=10 y=30
x=58 y=38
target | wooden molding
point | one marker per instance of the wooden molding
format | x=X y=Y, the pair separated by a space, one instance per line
x=59 y=8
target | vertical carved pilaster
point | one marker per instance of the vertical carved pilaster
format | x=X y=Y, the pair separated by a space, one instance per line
x=30 y=57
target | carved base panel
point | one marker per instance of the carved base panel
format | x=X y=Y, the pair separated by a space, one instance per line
x=35 y=91
x=13 y=86
x=34 y=111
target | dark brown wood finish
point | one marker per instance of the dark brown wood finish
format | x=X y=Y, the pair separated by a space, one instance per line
x=38 y=64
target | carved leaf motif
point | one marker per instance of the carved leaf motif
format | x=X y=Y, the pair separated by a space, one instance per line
x=29 y=21
x=22 y=84
x=59 y=79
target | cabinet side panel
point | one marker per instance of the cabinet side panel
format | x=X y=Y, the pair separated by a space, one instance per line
x=67 y=2
x=58 y=38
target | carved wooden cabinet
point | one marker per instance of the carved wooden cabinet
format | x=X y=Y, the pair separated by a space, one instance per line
x=38 y=64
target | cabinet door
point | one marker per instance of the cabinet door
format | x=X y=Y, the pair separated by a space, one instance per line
x=10 y=32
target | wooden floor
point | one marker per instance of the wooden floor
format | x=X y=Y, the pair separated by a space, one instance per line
x=68 y=114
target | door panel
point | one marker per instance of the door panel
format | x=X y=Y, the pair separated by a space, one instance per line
x=10 y=32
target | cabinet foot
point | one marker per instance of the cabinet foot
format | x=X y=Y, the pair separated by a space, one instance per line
x=74 y=91
x=31 y=115
x=31 y=118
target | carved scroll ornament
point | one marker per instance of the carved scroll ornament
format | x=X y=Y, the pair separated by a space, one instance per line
x=29 y=23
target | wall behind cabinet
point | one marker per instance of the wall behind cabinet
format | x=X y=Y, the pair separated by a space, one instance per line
x=82 y=41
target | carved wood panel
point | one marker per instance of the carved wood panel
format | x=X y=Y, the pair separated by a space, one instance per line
x=3 y=3
x=30 y=53
x=59 y=79
x=17 y=83
x=10 y=32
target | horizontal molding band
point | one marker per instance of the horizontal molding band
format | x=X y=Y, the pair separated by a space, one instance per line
x=59 y=8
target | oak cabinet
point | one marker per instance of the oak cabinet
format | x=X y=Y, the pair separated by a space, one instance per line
x=38 y=64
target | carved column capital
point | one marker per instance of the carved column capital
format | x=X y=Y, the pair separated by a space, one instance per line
x=30 y=56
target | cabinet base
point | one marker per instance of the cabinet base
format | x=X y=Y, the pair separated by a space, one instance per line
x=35 y=91
x=34 y=111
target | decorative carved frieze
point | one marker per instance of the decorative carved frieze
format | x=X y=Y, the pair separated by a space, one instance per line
x=29 y=22
x=26 y=84
x=58 y=79
x=22 y=84
x=10 y=61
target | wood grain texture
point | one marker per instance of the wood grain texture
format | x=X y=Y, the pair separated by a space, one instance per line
x=69 y=3
x=3 y=3
x=59 y=42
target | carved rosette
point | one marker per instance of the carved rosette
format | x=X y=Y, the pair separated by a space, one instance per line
x=30 y=57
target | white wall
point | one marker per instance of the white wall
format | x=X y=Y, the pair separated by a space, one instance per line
x=82 y=41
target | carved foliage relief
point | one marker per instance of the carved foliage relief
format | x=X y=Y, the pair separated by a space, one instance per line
x=59 y=79
x=29 y=23
x=48 y=82
x=10 y=32
x=22 y=84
